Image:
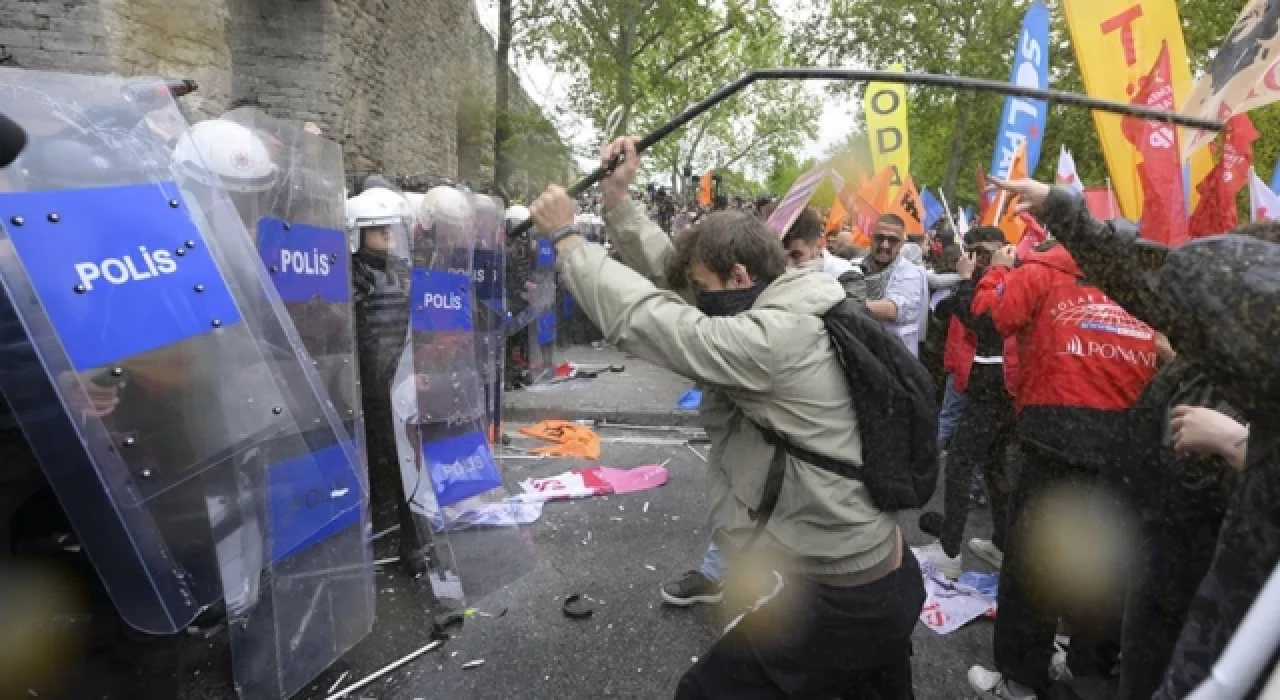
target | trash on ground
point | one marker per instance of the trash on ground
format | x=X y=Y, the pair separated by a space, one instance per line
x=592 y=481
x=473 y=664
x=573 y=608
x=690 y=400
x=949 y=605
x=695 y=451
x=650 y=567
x=572 y=440
x=384 y=671
x=338 y=682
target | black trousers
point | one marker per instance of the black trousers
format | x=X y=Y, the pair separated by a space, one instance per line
x=1027 y=621
x=818 y=642
x=982 y=437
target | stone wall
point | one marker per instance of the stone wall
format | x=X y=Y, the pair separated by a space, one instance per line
x=405 y=85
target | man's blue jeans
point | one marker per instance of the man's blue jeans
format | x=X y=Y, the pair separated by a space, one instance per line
x=953 y=404
x=714 y=564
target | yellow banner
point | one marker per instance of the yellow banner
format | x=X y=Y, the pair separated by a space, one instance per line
x=885 y=106
x=1117 y=43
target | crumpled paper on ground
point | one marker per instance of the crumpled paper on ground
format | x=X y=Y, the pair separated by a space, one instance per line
x=949 y=605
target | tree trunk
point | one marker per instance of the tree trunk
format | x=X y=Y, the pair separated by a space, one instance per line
x=964 y=109
x=502 y=99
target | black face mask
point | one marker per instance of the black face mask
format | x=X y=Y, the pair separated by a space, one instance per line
x=728 y=302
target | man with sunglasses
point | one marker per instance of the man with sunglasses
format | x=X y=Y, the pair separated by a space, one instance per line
x=897 y=289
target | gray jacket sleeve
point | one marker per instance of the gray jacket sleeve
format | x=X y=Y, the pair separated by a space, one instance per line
x=641 y=244
x=658 y=326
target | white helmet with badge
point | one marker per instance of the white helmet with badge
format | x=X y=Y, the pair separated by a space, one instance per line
x=379 y=208
x=222 y=153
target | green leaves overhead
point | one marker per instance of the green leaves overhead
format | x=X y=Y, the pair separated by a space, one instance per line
x=654 y=58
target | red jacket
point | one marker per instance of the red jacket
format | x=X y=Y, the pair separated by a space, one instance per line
x=957 y=356
x=1082 y=357
x=962 y=345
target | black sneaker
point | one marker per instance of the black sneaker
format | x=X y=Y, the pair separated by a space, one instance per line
x=691 y=589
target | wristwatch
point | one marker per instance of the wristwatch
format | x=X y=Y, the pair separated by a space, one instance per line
x=561 y=234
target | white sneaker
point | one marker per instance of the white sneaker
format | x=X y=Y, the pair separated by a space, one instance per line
x=986 y=551
x=948 y=566
x=993 y=685
x=1058 y=669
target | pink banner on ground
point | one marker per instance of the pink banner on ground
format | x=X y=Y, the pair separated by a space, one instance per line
x=592 y=481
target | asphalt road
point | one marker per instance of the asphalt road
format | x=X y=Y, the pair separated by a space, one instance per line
x=613 y=550
x=617 y=553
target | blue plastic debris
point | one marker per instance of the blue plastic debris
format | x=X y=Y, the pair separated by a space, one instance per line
x=986 y=584
x=690 y=400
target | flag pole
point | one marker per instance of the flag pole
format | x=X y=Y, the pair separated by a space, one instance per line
x=1111 y=199
x=950 y=219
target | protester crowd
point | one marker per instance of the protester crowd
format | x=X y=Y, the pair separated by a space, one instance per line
x=1094 y=363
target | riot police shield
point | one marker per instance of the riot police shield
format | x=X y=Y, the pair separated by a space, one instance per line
x=531 y=298
x=298 y=229
x=382 y=221
x=152 y=369
x=489 y=273
x=454 y=485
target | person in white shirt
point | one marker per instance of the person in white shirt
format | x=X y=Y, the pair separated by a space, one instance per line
x=902 y=299
x=806 y=246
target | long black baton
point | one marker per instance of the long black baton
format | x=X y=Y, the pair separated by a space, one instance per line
x=867 y=76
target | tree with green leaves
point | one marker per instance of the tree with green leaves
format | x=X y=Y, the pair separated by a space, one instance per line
x=953 y=133
x=653 y=58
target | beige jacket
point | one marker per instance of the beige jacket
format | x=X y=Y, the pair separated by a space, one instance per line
x=775 y=364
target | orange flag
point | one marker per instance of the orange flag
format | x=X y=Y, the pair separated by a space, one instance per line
x=837 y=217
x=909 y=208
x=873 y=196
x=707 y=190
x=1003 y=209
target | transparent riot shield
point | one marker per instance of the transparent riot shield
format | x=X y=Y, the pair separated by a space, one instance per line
x=489 y=273
x=298 y=228
x=531 y=298
x=542 y=335
x=164 y=390
x=454 y=485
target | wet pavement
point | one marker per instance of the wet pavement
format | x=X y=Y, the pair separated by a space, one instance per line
x=615 y=550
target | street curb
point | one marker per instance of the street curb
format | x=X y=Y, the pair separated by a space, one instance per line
x=650 y=418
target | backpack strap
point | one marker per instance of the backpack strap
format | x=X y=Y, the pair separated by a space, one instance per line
x=777 y=472
x=769 y=494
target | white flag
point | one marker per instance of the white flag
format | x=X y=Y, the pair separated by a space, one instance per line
x=1264 y=205
x=962 y=226
x=1067 y=171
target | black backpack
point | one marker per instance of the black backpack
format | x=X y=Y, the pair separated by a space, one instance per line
x=895 y=401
